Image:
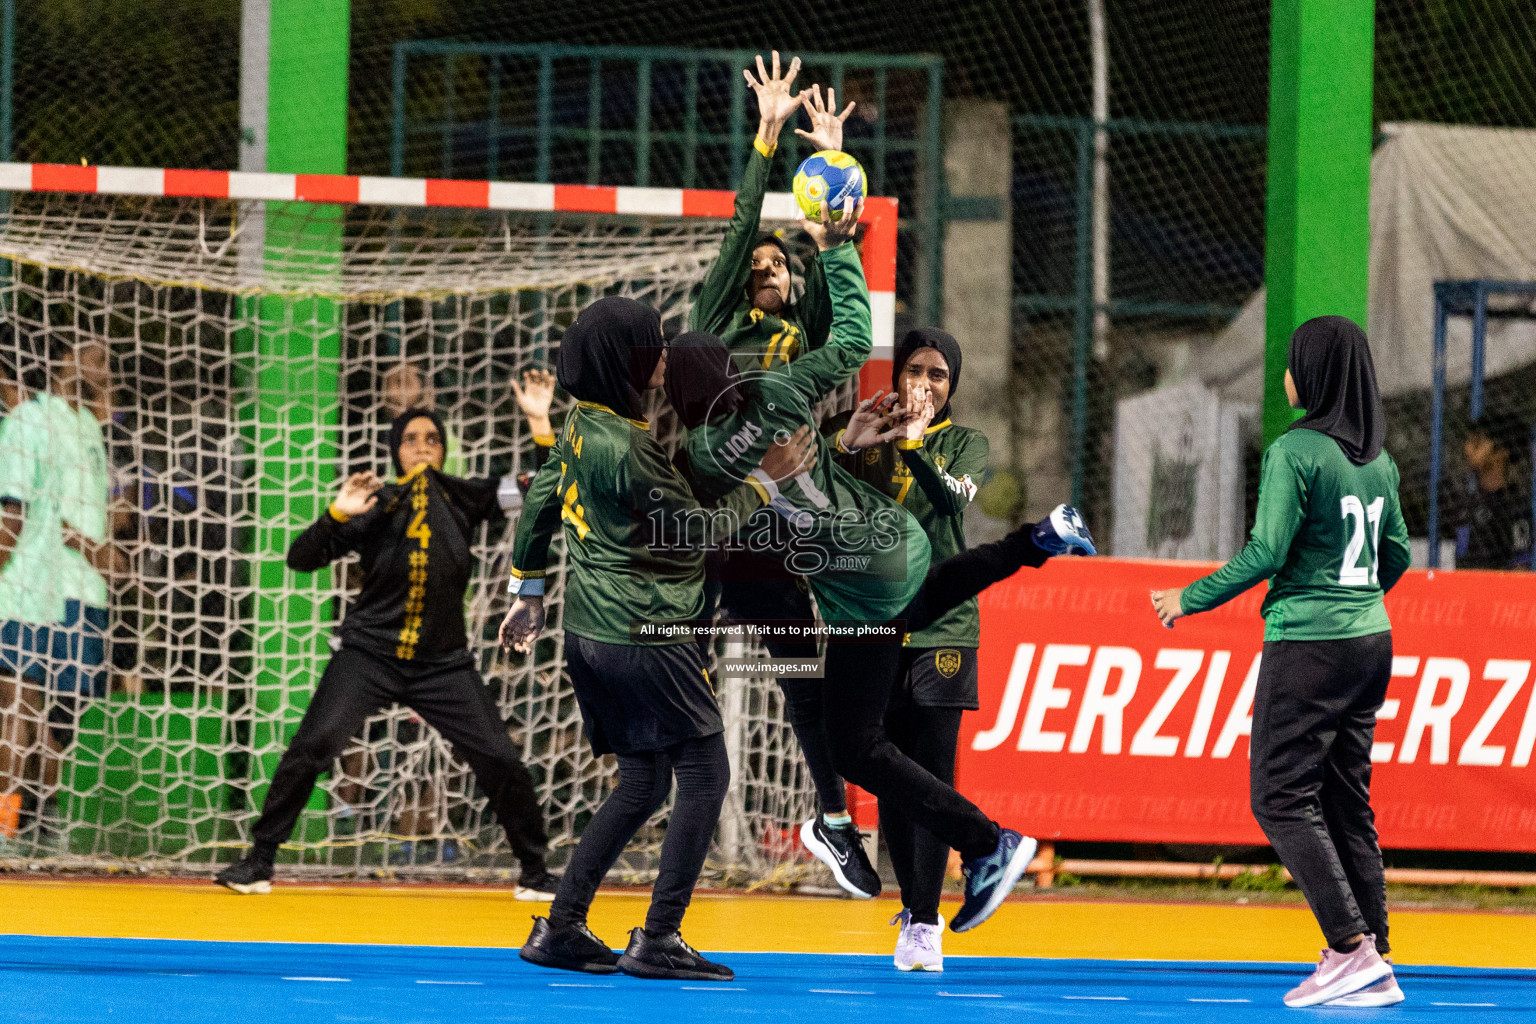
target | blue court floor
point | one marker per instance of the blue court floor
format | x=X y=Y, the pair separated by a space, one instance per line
x=145 y=981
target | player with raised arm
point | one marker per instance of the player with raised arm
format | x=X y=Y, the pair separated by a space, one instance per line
x=403 y=641
x=866 y=559
x=1330 y=539
x=934 y=477
x=747 y=300
x=634 y=593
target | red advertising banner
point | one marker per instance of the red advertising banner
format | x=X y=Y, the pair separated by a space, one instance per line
x=1096 y=723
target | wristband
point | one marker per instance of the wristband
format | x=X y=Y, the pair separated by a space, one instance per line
x=766 y=487
x=908 y=446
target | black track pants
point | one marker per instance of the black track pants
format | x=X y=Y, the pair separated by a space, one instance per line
x=1314 y=719
x=455 y=702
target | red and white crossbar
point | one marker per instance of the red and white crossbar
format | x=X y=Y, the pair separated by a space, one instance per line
x=879 y=245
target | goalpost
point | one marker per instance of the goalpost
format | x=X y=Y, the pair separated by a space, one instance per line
x=224 y=444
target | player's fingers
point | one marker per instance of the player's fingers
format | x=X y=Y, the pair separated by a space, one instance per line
x=762 y=72
x=794 y=69
x=775 y=64
x=846 y=111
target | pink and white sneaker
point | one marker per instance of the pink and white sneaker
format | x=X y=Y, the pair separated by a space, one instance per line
x=1339 y=974
x=1383 y=993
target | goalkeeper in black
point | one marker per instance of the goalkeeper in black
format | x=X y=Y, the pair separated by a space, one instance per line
x=403 y=642
x=748 y=301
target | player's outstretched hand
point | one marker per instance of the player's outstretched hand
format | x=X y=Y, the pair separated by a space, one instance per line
x=826 y=123
x=876 y=420
x=523 y=624
x=786 y=459
x=1064 y=532
x=358 y=494
x=920 y=408
x=828 y=233
x=1169 y=605
x=776 y=103
x=535 y=394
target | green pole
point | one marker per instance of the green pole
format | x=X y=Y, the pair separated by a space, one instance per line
x=295 y=365
x=1317 y=212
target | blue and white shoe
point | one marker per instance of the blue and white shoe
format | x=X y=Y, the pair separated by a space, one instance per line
x=989 y=879
x=1063 y=532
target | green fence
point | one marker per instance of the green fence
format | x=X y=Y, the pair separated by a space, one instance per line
x=663 y=116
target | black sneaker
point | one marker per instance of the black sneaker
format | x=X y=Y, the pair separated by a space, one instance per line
x=669 y=958
x=251 y=877
x=841 y=848
x=568 y=947
x=536 y=887
x=989 y=879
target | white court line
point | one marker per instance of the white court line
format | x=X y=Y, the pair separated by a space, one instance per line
x=1194 y=1000
x=301 y=978
x=428 y=981
x=972 y=995
x=711 y=988
x=1463 y=1004
x=575 y=984
x=1101 y=999
x=840 y=992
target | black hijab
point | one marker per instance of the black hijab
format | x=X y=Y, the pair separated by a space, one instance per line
x=397 y=433
x=702 y=382
x=608 y=355
x=1330 y=361
x=947 y=346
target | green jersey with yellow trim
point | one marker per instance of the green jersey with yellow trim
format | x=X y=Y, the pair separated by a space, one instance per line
x=759 y=340
x=935 y=479
x=1329 y=536
x=635 y=536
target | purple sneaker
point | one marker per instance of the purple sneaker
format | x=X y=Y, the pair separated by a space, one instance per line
x=1339 y=974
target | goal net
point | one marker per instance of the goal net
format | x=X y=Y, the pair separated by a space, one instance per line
x=238 y=355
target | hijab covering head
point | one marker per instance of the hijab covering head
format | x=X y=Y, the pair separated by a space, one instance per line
x=945 y=344
x=397 y=433
x=1330 y=362
x=702 y=382
x=608 y=355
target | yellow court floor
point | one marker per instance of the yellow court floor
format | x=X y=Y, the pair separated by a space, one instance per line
x=473 y=916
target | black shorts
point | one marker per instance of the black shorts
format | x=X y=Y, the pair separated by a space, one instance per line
x=638 y=699
x=939 y=677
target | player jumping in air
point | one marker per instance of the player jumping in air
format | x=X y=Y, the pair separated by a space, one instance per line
x=634 y=591
x=748 y=301
x=403 y=641
x=1329 y=537
x=935 y=477
x=865 y=558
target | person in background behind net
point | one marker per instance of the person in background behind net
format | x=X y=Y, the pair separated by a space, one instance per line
x=1494 y=522
x=1329 y=536
x=55 y=554
x=403 y=641
x=935 y=478
x=747 y=301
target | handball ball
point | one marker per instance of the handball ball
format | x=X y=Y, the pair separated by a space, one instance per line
x=829 y=177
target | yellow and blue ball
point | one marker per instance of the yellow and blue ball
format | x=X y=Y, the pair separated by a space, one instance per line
x=829 y=177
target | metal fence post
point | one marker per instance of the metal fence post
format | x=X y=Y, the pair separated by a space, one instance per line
x=1082 y=322
x=1436 y=428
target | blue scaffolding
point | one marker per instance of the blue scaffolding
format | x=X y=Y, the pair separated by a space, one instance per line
x=1468 y=299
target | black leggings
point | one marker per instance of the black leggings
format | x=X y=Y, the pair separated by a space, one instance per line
x=1314 y=720
x=703 y=775
x=929 y=737
x=861 y=679
x=455 y=702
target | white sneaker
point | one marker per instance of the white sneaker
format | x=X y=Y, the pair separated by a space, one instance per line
x=1383 y=993
x=919 y=947
x=1340 y=974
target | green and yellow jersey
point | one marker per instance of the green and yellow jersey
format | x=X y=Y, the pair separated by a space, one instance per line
x=635 y=536
x=759 y=340
x=1329 y=536
x=935 y=479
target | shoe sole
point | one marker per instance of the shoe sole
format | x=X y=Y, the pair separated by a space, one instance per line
x=1017 y=865
x=532 y=895
x=1343 y=987
x=920 y=969
x=1361 y=999
x=252 y=889
x=823 y=853
x=579 y=966
x=636 y=969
